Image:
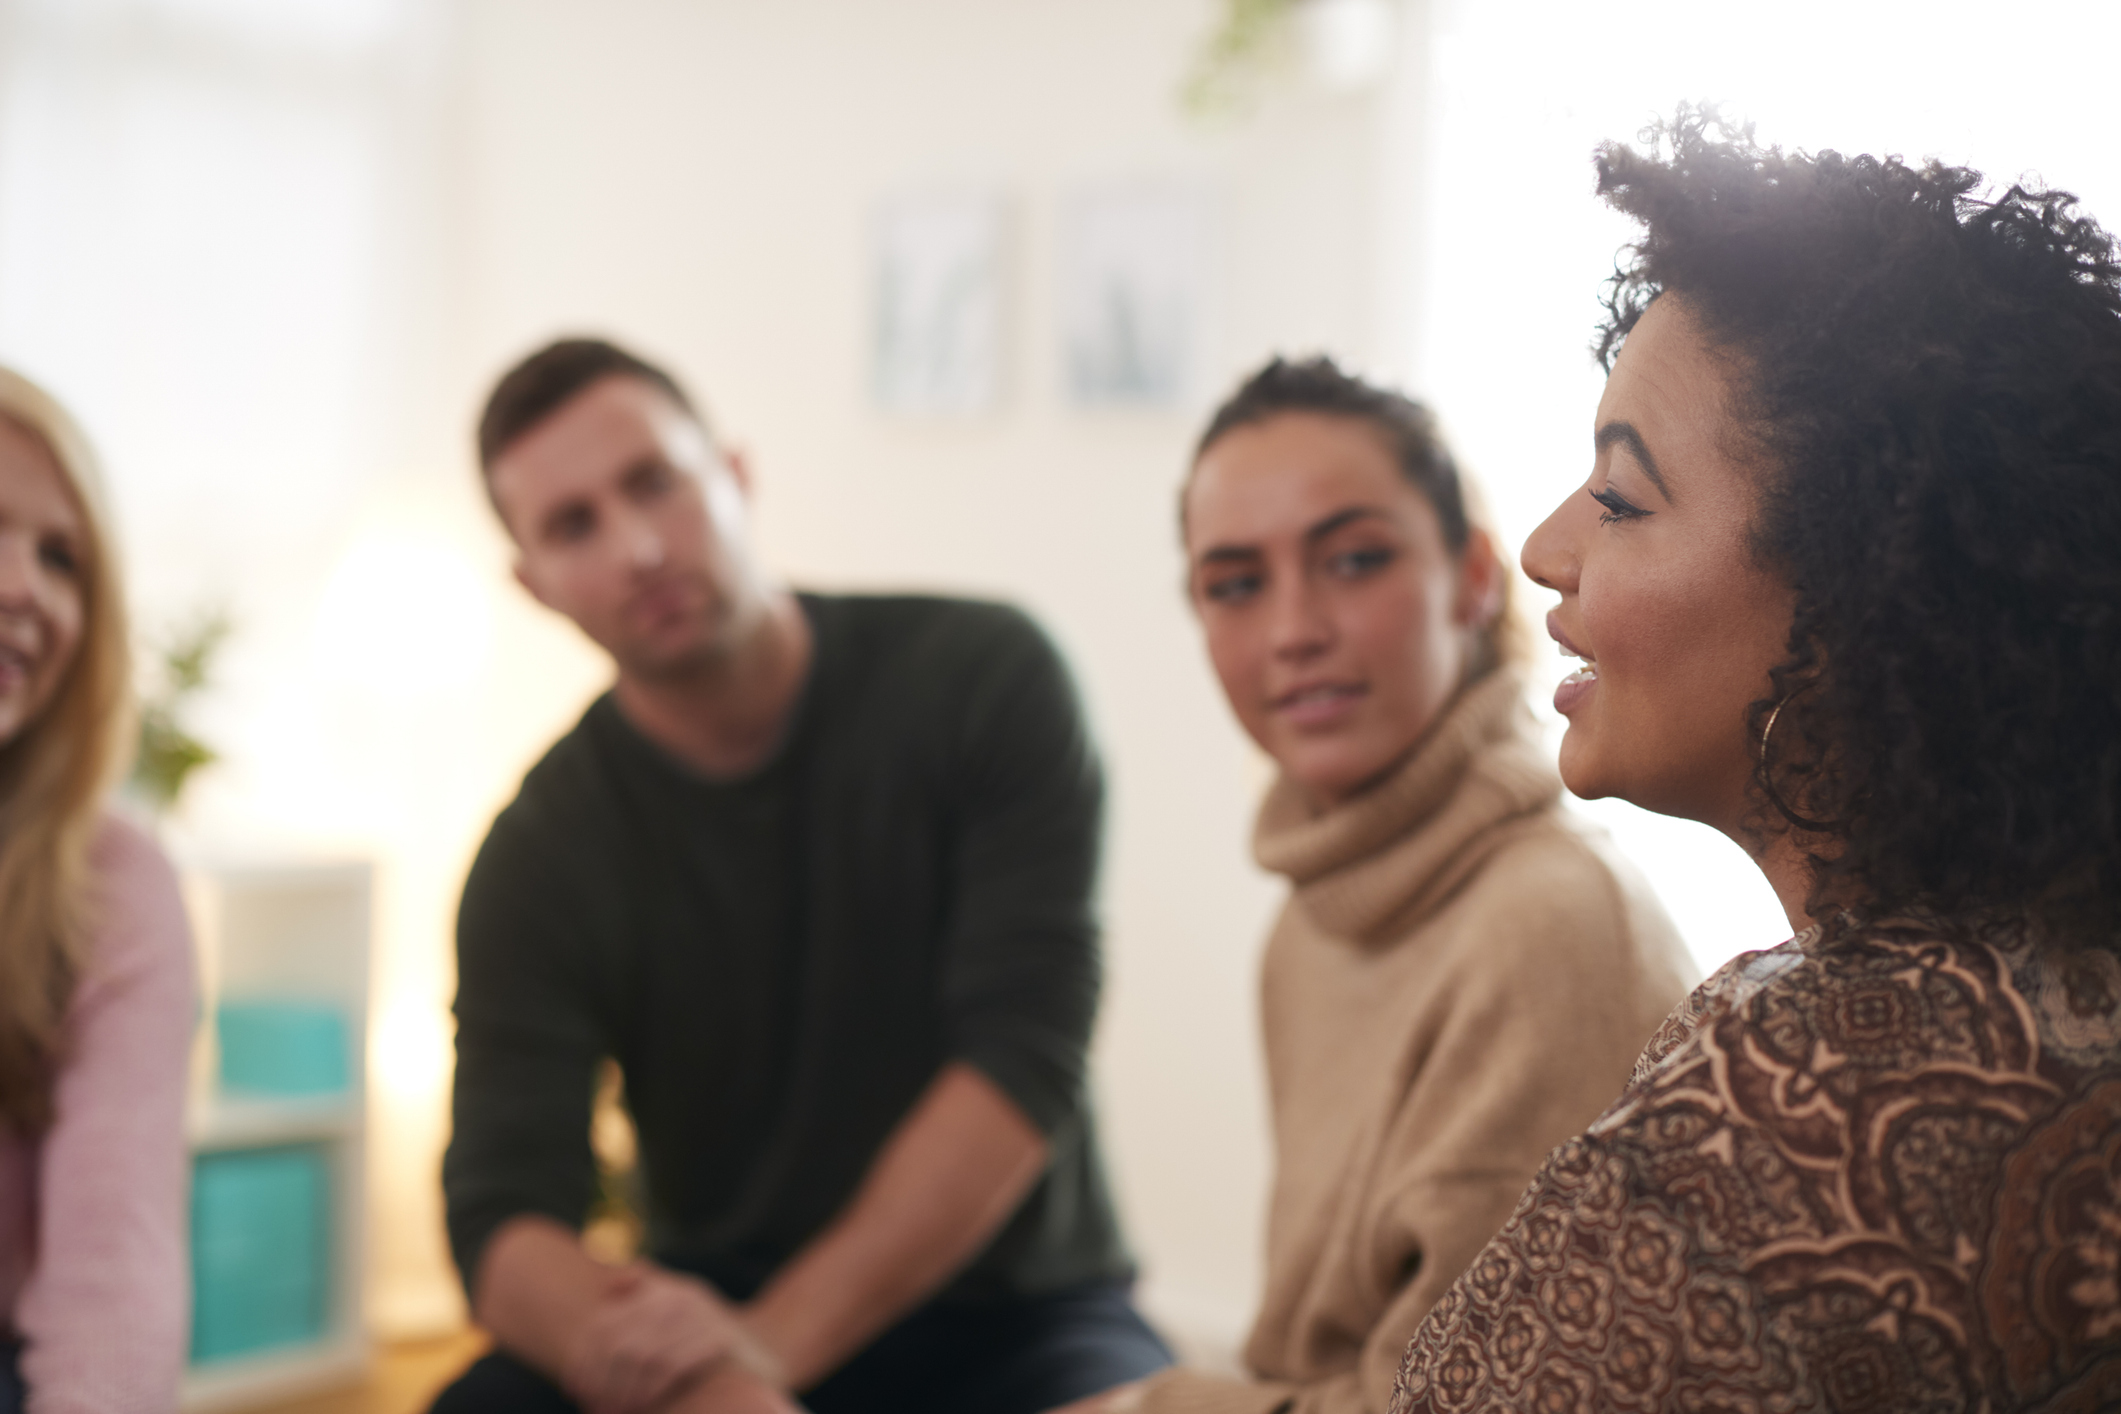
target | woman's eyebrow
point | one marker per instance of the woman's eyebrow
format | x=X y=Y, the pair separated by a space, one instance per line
x=1340 y=518
x=1217 y=554
x=1625 y=434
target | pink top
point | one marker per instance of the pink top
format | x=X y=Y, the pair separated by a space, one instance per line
x=92 y=1269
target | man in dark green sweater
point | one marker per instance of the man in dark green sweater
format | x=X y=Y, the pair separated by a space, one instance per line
x=817 y=874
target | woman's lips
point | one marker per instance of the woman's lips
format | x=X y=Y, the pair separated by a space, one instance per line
x=14 y=670
x=1319 y=704
x=1577 y=686
x=1554 y=632
x=1573 y=689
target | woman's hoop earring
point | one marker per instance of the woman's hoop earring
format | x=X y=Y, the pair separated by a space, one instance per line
x=1769 y=730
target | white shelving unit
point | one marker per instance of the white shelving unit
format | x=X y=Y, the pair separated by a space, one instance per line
x=293 y=932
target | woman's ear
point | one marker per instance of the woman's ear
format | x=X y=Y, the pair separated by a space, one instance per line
x=739 y=464
x=1480 y=581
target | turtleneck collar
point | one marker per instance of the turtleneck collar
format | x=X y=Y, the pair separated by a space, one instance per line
x=1403 y=843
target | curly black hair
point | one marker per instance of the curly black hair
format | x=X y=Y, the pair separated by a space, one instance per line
x=1929 y=380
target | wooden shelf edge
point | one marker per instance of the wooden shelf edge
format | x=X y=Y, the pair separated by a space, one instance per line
x=247 y=1381
x=239 y=1124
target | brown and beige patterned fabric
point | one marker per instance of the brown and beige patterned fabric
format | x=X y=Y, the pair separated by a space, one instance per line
x=1881 y=1174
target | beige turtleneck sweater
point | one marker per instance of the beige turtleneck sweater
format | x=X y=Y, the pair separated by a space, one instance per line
x=1461 y=980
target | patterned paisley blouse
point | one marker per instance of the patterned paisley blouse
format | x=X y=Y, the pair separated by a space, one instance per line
x=1884 y=1175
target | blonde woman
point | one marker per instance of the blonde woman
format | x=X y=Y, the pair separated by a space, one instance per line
x=95 y=965
x=1463 y=973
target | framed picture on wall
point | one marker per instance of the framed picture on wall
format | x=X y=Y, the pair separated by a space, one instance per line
x=1134 y=286
x=937 y=300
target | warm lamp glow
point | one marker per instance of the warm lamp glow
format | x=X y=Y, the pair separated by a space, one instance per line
x=409 y=1051
x=405 y=616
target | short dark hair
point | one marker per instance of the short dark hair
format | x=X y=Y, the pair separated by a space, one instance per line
x=1928 y=382
x=540 y=384
x=1320 y=385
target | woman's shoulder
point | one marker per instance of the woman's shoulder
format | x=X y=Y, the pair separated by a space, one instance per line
x=1890 y=1126
x=1841 y=1013
x=1890 y=1059
x=1902 y=999
x=121 y=846
x=1725 y=987
x=1553 y=874
x=1543 y=862
x=136 y=916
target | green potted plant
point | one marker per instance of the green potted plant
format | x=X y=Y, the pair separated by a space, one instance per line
x=179 y=667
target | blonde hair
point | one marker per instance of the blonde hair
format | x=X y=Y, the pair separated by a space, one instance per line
x=53 y=776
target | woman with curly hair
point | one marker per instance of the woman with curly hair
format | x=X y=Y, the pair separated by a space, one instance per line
x=95 y=965
x=1846 y=583
x=1463 y=972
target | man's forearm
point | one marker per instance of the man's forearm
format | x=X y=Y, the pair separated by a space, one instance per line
x=950 y=1175
x=536 y=1290
x=625 y=1340
x=732 y=1389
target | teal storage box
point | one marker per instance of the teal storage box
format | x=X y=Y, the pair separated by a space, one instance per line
x=282 y=1048
x=260 y=1249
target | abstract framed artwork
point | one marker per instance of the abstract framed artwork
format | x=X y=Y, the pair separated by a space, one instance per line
x=1134 y=286
x=938 y=293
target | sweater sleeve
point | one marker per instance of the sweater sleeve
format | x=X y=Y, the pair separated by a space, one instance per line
x=104 y=1314
x=528 y=1046
x=1021 y=970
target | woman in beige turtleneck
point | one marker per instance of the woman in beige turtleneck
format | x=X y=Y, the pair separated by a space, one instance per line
x=1463 y=974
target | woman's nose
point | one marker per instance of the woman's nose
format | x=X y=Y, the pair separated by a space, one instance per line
x=1551 y=557
x=18 y=569
x=1300 y=624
